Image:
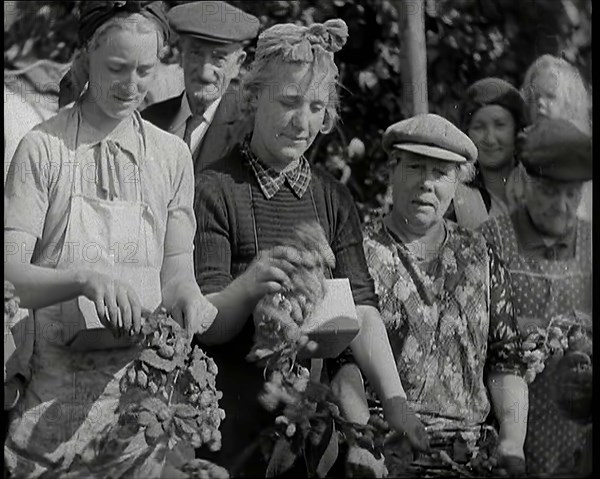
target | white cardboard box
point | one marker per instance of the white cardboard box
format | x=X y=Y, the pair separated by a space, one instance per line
x=334 y=323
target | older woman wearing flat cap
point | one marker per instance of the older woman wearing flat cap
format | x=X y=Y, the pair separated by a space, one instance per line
x=99 y=204
x=547 y=251
x=492 y=113
x=254 y=198
x=445 y=298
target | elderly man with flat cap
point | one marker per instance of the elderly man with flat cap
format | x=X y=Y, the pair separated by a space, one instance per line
x=207 y=115
x=445 y=301
x=547 y=250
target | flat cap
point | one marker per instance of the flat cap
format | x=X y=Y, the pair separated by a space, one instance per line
x=556 y=149
x=493 y=91
x=430 y=135
x=216 y=22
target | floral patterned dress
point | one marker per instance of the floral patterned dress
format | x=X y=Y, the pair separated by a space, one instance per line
x=450 y=322
x=546 y=292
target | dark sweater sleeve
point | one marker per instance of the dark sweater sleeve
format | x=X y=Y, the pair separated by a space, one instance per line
x=212 y=251
x=347 y=245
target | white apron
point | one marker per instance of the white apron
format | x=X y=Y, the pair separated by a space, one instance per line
x=73 y=395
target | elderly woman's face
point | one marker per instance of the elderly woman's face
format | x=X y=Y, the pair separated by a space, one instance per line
x=122 y=68
x=552 y=205
x=422 y=189
x=492 y=129
x=290 y=111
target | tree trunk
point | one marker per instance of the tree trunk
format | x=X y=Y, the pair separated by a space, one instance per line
x=411 y=17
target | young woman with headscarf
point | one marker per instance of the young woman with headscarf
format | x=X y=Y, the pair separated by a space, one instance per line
x=99 y=205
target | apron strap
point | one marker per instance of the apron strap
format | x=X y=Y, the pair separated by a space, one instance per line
x=254 y=227
x=252 y=215
x=312 y=197
x=316 y=364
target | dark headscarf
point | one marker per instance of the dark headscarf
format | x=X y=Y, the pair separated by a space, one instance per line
x=94 y=14
x=492 y=91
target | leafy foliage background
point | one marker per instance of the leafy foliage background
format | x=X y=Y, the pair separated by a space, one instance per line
x=466 y=40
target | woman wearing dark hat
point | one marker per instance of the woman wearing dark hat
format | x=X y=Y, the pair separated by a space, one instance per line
x=445 y=300
x=254 y=198
x=554 y=88
x=492 y=113
x=99 y=205
x=548 y=253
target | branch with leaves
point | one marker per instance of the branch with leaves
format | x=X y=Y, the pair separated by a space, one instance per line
x=308 y=425
x=169 y=397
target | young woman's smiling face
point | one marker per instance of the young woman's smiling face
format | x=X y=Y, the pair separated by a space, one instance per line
x=121 y=69
x=492 y=129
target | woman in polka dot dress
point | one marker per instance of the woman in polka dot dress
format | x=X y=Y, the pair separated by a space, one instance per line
x=547 y=251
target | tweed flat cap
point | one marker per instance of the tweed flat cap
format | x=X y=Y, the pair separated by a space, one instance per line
x=556 y=149
x=216 y=22
x=430 y=135
x=493 y=91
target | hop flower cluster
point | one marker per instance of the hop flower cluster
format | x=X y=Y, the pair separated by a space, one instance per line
x=169 y=396
x=279 y=318
x=11 y=302
x=464 y=454
x=289 y=392
x=563 y=334
x=168 y=365
x=202 y=469
x=573 y=387
x=308 y=410
x=11 y=307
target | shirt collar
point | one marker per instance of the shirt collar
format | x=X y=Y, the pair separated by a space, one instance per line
x=126 y=136
x=209 y=113
x=296 y=175
x=530 y=239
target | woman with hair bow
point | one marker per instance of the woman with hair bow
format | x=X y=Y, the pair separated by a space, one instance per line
x=253 y=198
x=99 y=206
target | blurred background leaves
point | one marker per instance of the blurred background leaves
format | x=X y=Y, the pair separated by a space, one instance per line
x=466 y=40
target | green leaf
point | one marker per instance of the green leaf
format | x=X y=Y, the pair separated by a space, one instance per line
x=152 y=359
x=185 y=427
x=555 y=344
x=460 y=450
x=329 y=455
x=153 y=404
x=282 y=458
x=185 y=411
x=199 y=372
x=263 y=353
x=145 y=418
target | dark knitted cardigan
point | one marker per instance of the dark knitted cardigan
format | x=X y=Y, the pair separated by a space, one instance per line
x=225 y=241
x=225 y=246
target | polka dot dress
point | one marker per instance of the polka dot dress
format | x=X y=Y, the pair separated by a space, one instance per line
x=544 y=289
